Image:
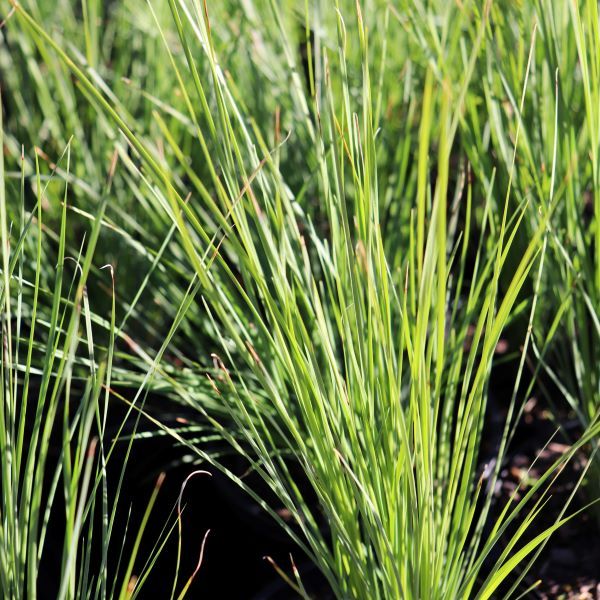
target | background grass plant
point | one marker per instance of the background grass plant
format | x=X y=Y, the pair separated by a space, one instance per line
x=558 y=132
x=55 y=441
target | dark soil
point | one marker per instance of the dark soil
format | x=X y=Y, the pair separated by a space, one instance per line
x=569 y=566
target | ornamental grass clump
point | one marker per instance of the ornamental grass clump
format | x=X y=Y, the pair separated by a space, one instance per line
x=348 y=278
